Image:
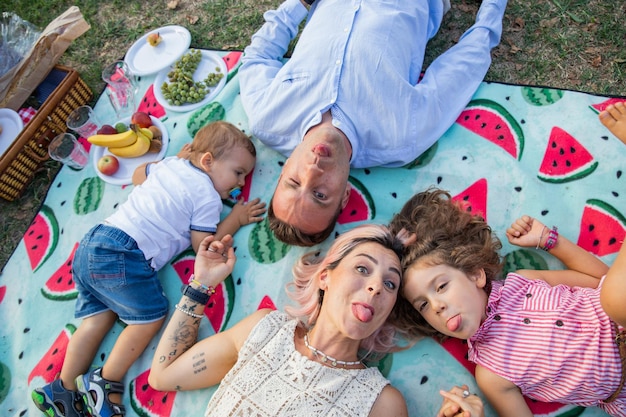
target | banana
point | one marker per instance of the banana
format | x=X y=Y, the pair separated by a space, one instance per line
x=140 y=147
x=117 y=140
x=147 y=132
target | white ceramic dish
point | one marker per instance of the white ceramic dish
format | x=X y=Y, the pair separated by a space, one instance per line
x=144 y=59
x=210 y=61
x=12 y=125
x=124 y=175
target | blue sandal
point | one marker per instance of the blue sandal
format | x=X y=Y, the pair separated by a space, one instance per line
x=55 y=400
x=95 y=391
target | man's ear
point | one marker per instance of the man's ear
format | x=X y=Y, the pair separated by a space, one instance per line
x=346 y=196
x=480 y=278
x=206 y=160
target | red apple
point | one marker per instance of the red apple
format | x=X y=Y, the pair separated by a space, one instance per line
x=141 y=119
x=108 y=164
x=107 y=130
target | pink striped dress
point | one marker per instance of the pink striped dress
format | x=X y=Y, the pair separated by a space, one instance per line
x=555 y=343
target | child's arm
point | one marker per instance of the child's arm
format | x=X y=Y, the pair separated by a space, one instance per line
x=140 y=174
x=584 y=268
x=242 y=214
x=613 y=291
x=504 y=396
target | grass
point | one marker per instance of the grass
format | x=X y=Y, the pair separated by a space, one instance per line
x=567 y=44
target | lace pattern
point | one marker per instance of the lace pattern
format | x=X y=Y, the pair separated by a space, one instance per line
x=272 y=379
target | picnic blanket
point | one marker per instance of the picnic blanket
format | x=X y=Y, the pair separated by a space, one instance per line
x=514 y=150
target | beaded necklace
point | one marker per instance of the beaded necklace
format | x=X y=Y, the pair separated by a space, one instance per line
x=324 y=358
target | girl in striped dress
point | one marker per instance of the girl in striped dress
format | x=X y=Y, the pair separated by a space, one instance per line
x=539 y=334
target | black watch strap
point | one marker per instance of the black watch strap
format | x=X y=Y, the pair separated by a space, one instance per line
x=195 y=295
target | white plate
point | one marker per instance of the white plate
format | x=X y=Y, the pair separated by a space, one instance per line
x=143 y=59
x=124 y=175
x=210 y=61
x=12 y=124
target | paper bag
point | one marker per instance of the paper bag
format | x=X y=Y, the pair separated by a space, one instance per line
x=20 y=82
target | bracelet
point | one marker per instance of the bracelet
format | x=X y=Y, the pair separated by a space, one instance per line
x=553 y=237
x=195 y=295
x=207 y=290
x=187 y=312
x=541 y=237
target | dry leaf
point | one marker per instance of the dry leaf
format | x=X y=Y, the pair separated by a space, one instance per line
x=192 y=19
x=518 y=24
x=596 y=62
x=173 y=4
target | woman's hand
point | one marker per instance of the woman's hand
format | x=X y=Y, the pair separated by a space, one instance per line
x=527 y=232
x=407 y=238
x=215 y=260
x=458 y=402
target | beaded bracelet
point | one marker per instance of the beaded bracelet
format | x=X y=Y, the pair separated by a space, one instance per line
x=206 y=289
x=187 y=312
x=553 y=237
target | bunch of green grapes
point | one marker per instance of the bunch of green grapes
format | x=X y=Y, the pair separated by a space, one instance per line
x=182 y=89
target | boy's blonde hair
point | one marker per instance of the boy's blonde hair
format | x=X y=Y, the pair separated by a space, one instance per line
x=219 y=138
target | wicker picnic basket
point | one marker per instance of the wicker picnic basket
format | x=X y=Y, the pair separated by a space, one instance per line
x=29 y=151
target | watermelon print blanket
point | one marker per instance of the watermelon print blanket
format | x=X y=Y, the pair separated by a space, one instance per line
x=514 y=150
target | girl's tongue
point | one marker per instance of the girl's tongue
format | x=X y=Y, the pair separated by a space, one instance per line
x=454 y=323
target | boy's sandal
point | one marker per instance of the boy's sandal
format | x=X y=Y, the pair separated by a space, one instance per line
x=55 y=400
x=95 y=391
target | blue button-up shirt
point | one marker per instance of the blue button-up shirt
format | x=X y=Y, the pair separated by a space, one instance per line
x=361 y=59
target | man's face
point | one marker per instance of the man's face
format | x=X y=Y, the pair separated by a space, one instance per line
x=313 y=184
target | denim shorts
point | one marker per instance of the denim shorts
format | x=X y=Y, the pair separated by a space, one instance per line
x=112 y=273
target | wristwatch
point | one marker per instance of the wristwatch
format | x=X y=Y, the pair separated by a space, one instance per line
x=195 y=295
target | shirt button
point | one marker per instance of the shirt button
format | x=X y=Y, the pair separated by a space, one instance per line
x=526 y=321
x=338 y=62
x=529 y=295
x=497 y=317
x=559 y=323
x=346 y=30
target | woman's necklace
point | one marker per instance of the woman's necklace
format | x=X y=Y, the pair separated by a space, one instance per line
x=325 y=358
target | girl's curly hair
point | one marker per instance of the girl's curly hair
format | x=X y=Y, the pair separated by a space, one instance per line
x=446 y=234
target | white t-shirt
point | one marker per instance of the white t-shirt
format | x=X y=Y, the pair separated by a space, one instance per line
x=159 y=214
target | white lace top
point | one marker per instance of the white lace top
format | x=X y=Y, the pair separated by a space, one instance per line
x=272 y=379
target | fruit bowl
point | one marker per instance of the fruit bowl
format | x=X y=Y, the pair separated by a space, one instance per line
x=124 y=174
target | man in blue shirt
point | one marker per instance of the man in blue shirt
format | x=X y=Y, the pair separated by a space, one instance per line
x=349 y=96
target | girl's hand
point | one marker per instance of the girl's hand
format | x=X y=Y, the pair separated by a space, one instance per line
x=407 y=238
x=456 y=404
x=249 y=212
x=526 y=232
x=215 y=260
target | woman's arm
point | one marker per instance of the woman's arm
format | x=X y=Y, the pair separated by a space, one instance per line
x=179 y=362
x=584 y=268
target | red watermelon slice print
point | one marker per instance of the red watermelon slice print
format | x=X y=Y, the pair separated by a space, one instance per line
x=60 y=286
x=50 y=364
x=220 y=305
x=565 y=159
x=493 y=122
x=474 y=198
x=599 y=107
x=148 y=402
x=266 y=302
x=602 y=228
x=42 y=237
x=360 y=205
x=150 y=105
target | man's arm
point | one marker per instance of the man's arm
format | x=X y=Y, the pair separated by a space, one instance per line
x=263 y=58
